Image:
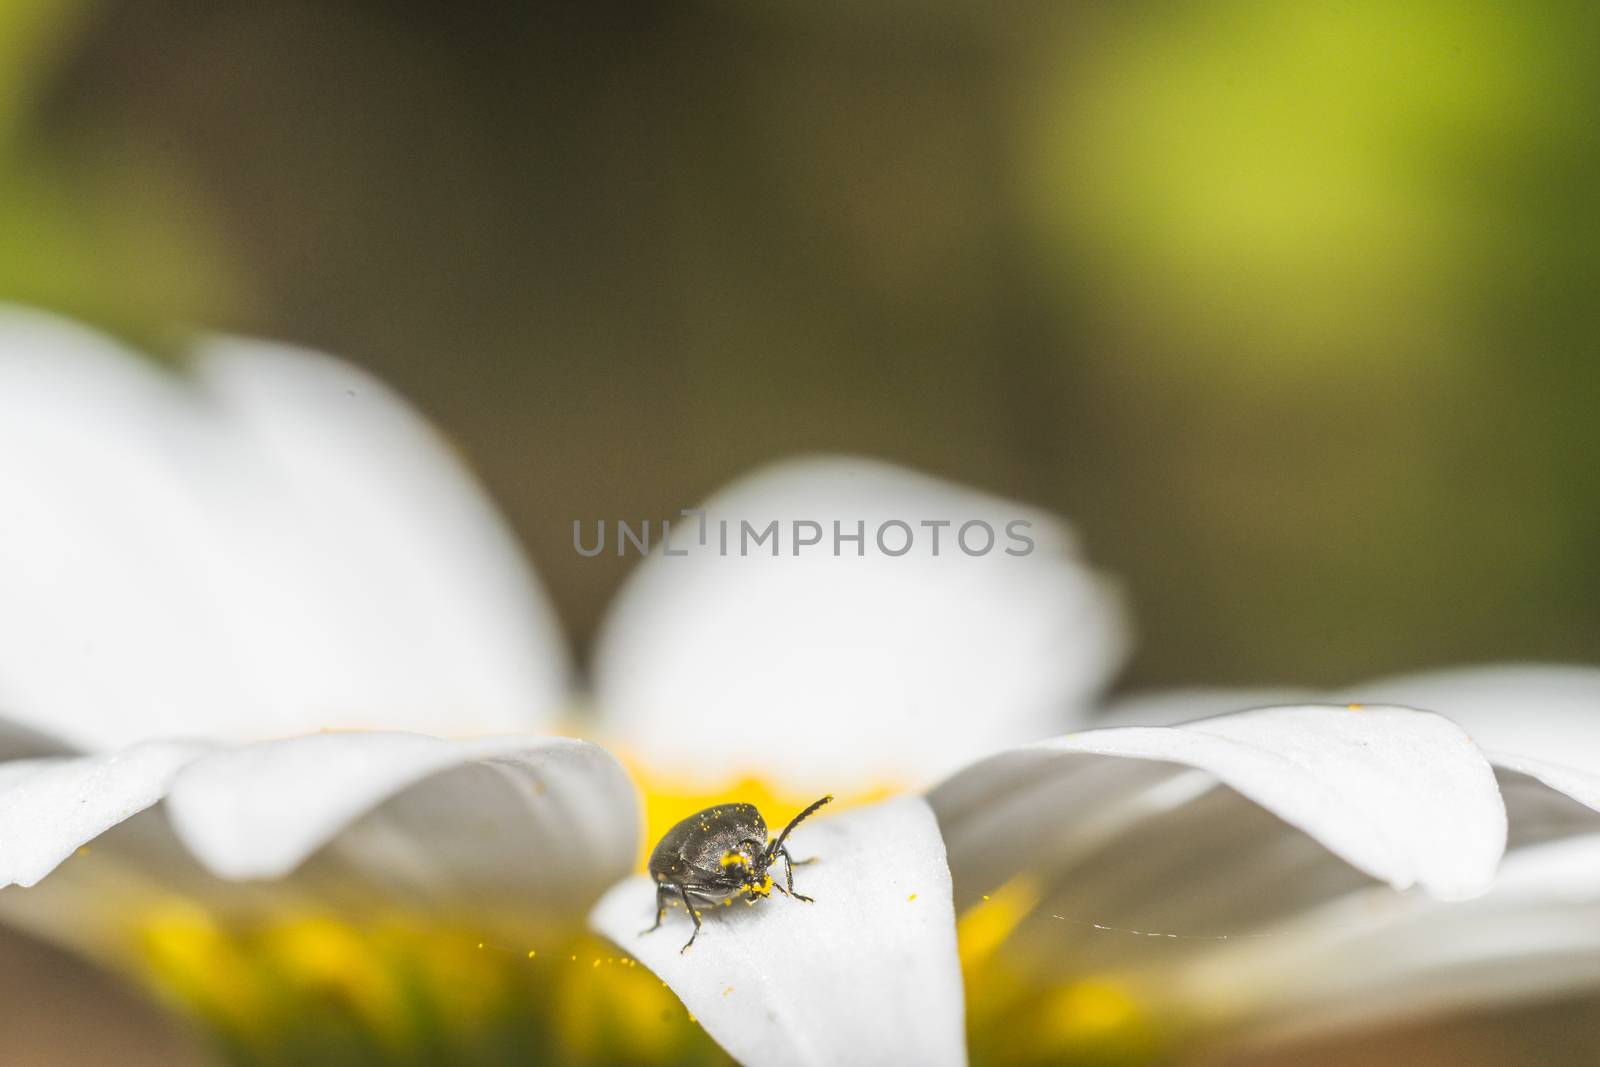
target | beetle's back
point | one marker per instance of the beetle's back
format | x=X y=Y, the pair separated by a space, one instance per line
x=693 y=849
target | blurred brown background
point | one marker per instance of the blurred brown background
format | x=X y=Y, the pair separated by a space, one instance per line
x=1289 y=307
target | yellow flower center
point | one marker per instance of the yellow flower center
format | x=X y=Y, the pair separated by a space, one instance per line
x=410 y=989
x=404 y=989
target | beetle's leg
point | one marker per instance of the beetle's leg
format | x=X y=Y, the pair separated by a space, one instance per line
x=693 y=914
x=788 y=875
x=776 y=848
x=661 y=909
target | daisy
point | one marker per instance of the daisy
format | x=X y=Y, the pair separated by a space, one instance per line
x=279 y=687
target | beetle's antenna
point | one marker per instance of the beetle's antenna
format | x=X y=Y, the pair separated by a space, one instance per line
x=772 y=849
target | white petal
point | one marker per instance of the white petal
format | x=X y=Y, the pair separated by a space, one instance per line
x=513 y=821
x=1549 y=712
x=1582 y=786
x=867 y=974
x=271 y=545
x=1541 y=720
x=1372 y=957
x=821 y=670
x=50 y=807
x=424 y=614
x=1134 y=861
x=1540 y=724
x=1400 y=794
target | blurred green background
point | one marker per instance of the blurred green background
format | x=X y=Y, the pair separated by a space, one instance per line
x=1290 y=307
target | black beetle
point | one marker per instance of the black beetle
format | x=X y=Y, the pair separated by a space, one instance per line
x=716 y=854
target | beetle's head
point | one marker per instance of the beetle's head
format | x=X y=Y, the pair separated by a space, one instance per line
x=747 y=865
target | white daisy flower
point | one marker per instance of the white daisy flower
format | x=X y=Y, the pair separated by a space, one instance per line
x=269 y=660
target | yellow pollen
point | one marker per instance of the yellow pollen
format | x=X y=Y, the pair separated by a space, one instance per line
x=670 y=800
x=531 y=953
x=913 y=896
x=725 y=992
x=733 y=859
x=1355 y=707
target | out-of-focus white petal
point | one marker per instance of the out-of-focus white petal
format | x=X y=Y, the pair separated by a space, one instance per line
x=1582 y=786
x=821 y=670
x=1402 y=795
x=867 y=974
x=50 y=807
x=1374 y=956
x=395 y=587
x=507 y=821
x=1540 y=720
x=270 y=544
x=1540 y=724
x=1545 y=711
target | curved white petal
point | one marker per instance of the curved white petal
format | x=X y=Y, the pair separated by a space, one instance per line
x=1539 y=723
x=866 y=975
x=1582 y=786
x=50 y=807
x=1128 y=851
x=1540 y=720
x=515 y=821
x=270 y=544
x=1402 y=795
x=821 y=670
